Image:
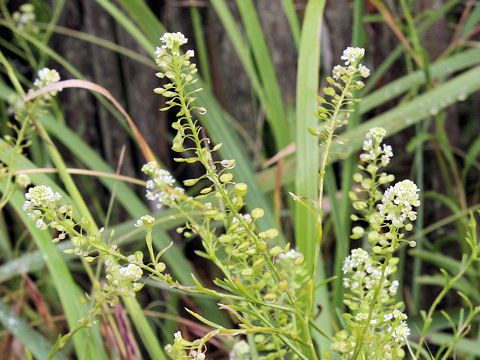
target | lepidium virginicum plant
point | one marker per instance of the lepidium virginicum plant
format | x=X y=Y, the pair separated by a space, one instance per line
x=265 y=288
x=22 y=124
x=376 y=326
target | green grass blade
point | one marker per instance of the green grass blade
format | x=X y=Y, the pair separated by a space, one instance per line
x=31 y=339
x=464 y=346
x=201 y=49
x=275 y=112
x=306 y=154
x=432 y=17
x=461 y=285
x=144 y=18
x=442 y=261
x=145 y=41
x=306 y=144
x=291 y=14
x=472 y=21
x=472 y=154
x=5 y=241
x=179 y=266
x=125 y=196
x=240 y=47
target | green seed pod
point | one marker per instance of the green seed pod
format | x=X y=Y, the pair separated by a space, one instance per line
x=276 y=250
x=283 y=285
x=357 y=177
x=206 y=190
x=190 y=182
x=241 y=189
x=247 y=272
x=211 y=213
x=270 y=297
x=227 y=177
x=261 y=245
x=225 y=238
x=258 y=213
x=243 y=246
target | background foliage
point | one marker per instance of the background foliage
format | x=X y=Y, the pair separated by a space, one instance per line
x=260 y=75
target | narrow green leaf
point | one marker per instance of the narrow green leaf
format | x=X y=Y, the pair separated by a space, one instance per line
x=307 y=154
x=15 y=325
x=291 y=14
x=275 y=112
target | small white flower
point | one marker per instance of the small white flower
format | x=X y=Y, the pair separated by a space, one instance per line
x=40 y=196
x=145 y=220
x=171 y=40
x=387 y=155
x=364 y=71
x=40 y=224
x=361 y=316
x=47 y=77
x=351 y=55
x=377 y=134
x=397 y=202
x=393 y=288
x=356 y=258
x=131 y=271
x=401 y=332
x=177 y=336
x=397 y=314
x=387 y=317
x=150 y=168
x=338 y=71
x=23 y=180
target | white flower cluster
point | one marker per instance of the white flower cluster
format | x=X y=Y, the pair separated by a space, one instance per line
x=398 y=202
x=352 y=67
x=131 y=272
x=145 y=220
x=47 y=77
x=352 y=54
x=40 y=196
x=171 y=40
x=363 y=275
x=377 y=134
x=291 y=254
x=25 y=18
x=374 y=150
x=356 y=258
x=401 y=332
x=123 y=279
x=160 y=187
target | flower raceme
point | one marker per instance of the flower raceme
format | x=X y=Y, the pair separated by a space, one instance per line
x=376 y=326
x=265 y=285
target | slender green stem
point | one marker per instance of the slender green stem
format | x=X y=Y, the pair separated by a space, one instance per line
x=323 y=164
x=438 y=299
